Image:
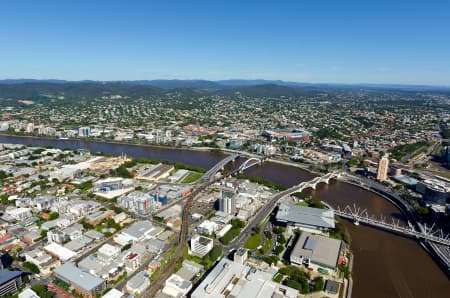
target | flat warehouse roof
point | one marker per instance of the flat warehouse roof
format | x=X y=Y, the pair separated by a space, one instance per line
x=82 y=279
x=319 y=249
x=306 y=215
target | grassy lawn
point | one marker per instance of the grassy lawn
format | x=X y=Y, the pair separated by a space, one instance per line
x=400 y=151
x=165 y=261
x=302 y=204
x=207 y=260
x=254 y=241
x=237 y=226
x=278 y=278
x=267 y=246
x=192 y=177
x=230 y=235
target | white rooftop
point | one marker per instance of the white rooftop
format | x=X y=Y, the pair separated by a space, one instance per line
x=240 y=281
x=60 y=251
x=113 y=293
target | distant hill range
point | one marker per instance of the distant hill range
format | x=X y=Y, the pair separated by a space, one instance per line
x=29 y=88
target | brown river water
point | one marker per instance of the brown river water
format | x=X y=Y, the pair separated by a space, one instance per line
x=385 y=264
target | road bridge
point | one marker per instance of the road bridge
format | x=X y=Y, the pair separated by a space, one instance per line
x=313 y=183
x=252 y=161
x=209 y=176
x=270 y=205
x=184 y=229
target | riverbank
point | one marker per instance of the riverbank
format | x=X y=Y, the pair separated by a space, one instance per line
x=431 y=248
x=386 y=265
x=169 y=147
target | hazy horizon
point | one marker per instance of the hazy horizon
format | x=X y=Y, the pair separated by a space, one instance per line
x=323 y=42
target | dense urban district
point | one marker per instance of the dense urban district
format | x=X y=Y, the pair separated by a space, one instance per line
x=76 y=223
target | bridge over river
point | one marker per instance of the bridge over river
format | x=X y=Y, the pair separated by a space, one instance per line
x=361 y=216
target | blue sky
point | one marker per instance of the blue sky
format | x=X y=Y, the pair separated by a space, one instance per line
x=306 y=41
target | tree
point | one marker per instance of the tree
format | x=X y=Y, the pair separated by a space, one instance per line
x=279 y=249
x=110 y=223
x=423 y=211
x=123 y=172
x=126 y=247
x=86 y=226
x=215 y=253
x=43 y=233
x=297 y=278
x=3 y=175
x=4 y=199
x=272 y=259
x=236 y=223
x=53 y=215
x=43 y=291
x=353 y=162
x=344 y=269
x=318 y=283
x=32 y=267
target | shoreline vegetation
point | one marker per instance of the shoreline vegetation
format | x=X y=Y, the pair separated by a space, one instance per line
x=342 y=234
x=103 y=141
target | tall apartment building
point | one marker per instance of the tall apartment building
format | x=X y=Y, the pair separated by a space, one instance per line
x=201 y=246
x=84 y=131
x=383 y=167
x=138 y=202
x=227 y=202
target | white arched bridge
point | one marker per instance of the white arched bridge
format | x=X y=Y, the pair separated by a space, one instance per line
x=252 y=161
x=208 y=176
x=220 y=166
x=361 y=216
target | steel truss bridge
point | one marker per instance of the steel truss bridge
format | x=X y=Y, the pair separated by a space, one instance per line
x=359 y=215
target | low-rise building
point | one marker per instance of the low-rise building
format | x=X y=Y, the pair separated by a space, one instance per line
x=207 y=227
x=231 y=279
x=59 y=252
x=18 y=213
x=57 y=236
x=240 y=255
x=178 y=175
x=99 y=216
x=153 y=173
x=94 y=235
x=434 y=190
x=132 y=260
x=135 y=233
x=114 y=293
x=138 y=202
x=108 y=252
x=176 y=286
x=10 y=281
x=306 y=217
x=138 y=283
x=332 y=287
x=155 y=245
x=42 y=260
x=83 y=282
x=315 y=251
x=28 y=293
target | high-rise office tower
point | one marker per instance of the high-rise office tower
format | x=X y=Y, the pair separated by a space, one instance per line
x=383 y=167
